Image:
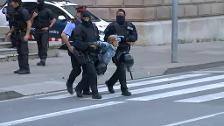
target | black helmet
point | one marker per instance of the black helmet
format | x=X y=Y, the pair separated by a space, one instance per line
x=127 y=59
x=101 y=68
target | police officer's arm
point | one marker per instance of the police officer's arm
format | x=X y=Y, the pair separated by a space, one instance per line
x=133 y=35
x=28 y=29
x=52 y=18
x=26 y=17
x=9 y=33
x=65 y=37
x=108 y=31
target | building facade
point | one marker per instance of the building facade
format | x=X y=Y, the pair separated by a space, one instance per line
x=147 y=10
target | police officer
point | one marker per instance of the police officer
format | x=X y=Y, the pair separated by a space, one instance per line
x=21 y=28
x=76 y=67
x=128 y=33
x=43 y=20
x=85 y=35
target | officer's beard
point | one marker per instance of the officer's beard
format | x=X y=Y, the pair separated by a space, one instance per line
x=120 y=20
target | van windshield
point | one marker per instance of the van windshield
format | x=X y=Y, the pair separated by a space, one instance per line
x=72 y=10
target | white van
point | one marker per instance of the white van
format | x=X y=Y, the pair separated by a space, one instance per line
x=64 y=11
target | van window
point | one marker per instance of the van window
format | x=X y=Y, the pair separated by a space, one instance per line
x=57 y=12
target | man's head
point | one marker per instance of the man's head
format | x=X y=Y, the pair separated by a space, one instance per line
x=113 y=39
x=120 y=16
x=40 y=4
x=86 y=18
x=15 y=3
x=80 y=10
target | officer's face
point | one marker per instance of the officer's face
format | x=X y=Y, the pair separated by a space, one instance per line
x=14 y=4
x=78 y=15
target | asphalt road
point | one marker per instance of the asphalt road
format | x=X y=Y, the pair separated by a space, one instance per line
x=186 y=99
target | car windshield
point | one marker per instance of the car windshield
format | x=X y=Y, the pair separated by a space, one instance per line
x=72 y=10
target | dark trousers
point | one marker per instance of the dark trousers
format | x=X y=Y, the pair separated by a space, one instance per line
x=42 y=37
x=76 y=71
x=13 y=39
x=89 y=78
x=22 y=50
x=119 y=75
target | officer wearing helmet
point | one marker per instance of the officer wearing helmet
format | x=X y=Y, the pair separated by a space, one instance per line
x=85 y=36
x=122 y=58
x=43 y=19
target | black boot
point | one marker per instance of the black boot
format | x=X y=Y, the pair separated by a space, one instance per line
x=96 y=96
x=69 y=88
x=23 y=72
x=17 y=71
x=87 y=91
x=41 y=63
x=125 y=92
x=109 y=87
x=78 y=92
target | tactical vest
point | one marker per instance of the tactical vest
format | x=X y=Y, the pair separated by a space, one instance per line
x=18 y=22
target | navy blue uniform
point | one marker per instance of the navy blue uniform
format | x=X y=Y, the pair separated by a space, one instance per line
x=84 y=36
x=129 y=33
x=19 y=22
x=43 y=20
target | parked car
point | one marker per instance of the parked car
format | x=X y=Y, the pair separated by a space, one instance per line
x=64 y=11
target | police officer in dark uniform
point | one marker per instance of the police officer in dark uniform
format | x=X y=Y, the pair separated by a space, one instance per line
x=85 y=36
x=43 y=20
x=128 y=34
x=21 y=28
x=76 y=67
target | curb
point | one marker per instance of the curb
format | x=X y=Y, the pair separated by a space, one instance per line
x=193 y=67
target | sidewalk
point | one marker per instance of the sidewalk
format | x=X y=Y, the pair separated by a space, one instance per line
x=149 y=61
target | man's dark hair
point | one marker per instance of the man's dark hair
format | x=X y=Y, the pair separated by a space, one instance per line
x=121 y=10
x=81 y=9
x=86 y=14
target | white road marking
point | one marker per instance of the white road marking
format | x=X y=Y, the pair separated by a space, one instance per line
x=178 y=92
x=166 y=86
x=195 y=119
x=204 y=98
x=142 y=83
x=59 y=113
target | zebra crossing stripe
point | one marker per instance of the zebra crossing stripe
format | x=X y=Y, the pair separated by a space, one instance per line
x=150 y=82
x=204 y=98
x=195 y=119
x=142 y=83
x=59 y=113
x=178 y=92
x=166 y=86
